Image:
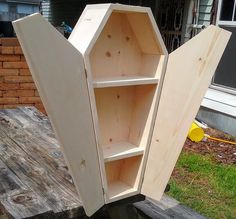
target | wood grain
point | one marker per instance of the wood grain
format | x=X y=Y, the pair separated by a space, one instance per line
x=122 y=49
x=188 y=75
x=58 y=71
x=34 y=176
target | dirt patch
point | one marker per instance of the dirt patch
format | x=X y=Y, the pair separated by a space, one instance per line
x=221 y=152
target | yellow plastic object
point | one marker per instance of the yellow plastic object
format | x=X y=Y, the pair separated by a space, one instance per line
x=195 y=133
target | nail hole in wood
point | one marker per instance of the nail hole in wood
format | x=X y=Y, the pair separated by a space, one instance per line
x=127 y=38
x=108 y=54
x=83 y=163
x=118 y=52
x=109 y=36
x=110 y=139
x=118 y=96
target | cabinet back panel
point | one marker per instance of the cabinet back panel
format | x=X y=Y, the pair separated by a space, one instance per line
x=146 y=37
x=125 y=113
x=145 y=99
x=117 y=51
x=114 y=107
x=125 y=170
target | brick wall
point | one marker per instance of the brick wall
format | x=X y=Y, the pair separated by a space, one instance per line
x=16 y=84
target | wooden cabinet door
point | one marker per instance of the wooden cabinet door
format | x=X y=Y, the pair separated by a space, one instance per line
x=58 y=71
x=188 y=75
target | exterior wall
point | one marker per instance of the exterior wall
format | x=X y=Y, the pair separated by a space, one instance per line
x=16 y=84
x=218 y=120
x=205 y=8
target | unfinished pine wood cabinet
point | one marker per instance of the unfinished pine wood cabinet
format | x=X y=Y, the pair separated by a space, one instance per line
x=121 y=112
x=124 y=58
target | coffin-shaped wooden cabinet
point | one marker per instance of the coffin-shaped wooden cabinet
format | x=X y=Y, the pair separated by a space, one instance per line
x=121 y=113
x=125 y=58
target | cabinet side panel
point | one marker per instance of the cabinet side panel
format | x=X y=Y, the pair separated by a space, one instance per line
x=188 y=75
x=58 y=71
x=89 y=26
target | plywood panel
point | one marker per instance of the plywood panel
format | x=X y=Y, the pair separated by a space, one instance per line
x=58 y=71
x=189 y=72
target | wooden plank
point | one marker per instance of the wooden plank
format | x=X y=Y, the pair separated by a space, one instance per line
x=38 y=120
x=188 y=75
x=123 y=81
x=166 y=208
x=29 y=160
x=44 y=148
x=89 y=25
x=120 y=150
x=119 y=189
x=16 y=199
x=62 y=85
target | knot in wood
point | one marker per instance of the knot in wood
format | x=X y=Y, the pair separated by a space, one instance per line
x=20 y=199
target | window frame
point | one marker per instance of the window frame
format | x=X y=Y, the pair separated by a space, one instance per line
x=223 y=23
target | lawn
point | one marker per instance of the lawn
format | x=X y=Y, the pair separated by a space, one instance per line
x=205 y=185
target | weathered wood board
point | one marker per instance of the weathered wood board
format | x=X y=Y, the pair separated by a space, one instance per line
x=58 y=71
x=188 y=75
x=35 y=183
x=34 y=179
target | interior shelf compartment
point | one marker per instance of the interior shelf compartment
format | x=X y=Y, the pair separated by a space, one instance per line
x=123 y=81
x=120 y=150
x=123 y=177
x=124 y=118
x=125 y=49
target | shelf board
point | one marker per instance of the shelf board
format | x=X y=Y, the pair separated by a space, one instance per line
x=124 y=81
x=120 y=150
x=118 y=190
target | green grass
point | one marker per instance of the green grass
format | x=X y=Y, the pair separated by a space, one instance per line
x=205 y=186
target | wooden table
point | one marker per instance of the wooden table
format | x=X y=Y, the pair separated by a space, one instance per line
x=35 y=182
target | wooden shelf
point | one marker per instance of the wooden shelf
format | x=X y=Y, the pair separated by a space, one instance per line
x=122 y=177
x=119 y=190
x=120 y=150
x=124 y=81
